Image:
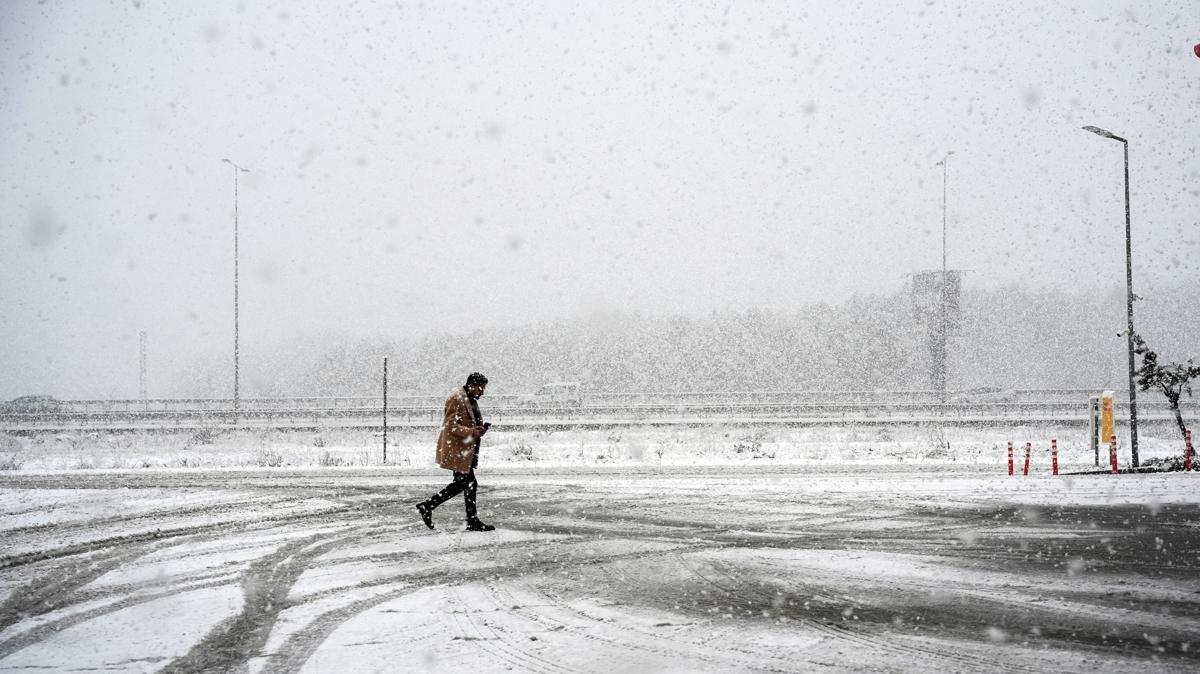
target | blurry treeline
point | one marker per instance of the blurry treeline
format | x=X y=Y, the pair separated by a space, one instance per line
x=1008 y=338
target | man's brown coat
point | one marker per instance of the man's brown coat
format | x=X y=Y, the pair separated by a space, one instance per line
x=456 y=446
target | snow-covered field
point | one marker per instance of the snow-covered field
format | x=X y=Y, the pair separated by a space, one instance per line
x=702 y=558
x=729 y=444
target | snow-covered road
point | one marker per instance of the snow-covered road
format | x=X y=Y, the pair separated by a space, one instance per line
x=635 y=569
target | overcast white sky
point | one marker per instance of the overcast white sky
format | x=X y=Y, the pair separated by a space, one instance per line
x=433 y=166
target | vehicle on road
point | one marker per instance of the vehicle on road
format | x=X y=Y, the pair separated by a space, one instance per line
x=555 y=394
x=983 y=394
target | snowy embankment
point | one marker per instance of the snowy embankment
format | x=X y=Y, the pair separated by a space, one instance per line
x=984 y=448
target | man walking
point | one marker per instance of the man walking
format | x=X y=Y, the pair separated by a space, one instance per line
x=458 y=451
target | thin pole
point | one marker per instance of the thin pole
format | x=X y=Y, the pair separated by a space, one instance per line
x=236 y=373
x=385 y=378
x=945 y=178
x=1133 y=429
x=236 y=341
x=1094 y=414
x=943 y=338
x=142 y=367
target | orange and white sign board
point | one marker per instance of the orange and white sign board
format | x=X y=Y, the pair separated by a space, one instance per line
x=1107 y=428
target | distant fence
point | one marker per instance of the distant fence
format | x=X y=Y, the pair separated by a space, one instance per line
x=1063 y=406
x=676 y=398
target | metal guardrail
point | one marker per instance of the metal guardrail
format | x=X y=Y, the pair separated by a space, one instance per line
x=501 y=400
x=587 y=415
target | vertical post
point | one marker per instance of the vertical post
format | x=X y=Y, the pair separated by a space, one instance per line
x=237 y=399
x=142 y=368
x=1112 y=453
x=1054 y=456
x=941 y=346
x=945 y=179
x=945 y=339
x=385 y=378
x=1010 y=458
x=1133 y=428
x=1094 y=427
x=1028 y=451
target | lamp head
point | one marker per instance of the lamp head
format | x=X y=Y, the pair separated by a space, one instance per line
x=1104 y=133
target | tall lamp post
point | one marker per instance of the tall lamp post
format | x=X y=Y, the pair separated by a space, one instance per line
x=944 y=337
x=945 y=164
x=1133 y=430
x=236 y=395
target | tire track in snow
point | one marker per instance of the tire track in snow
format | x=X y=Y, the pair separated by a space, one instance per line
x=46 y=630
x=55 y=588
x=735 y=587
x=66 y=591
x=146 y=536
x=266 y=586
x=667 y=648
x=299 y=647
x=497 y=645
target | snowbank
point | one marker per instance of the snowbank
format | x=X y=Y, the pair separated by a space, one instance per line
x=717 y=444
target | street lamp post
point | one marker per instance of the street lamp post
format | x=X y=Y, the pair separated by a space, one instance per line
x=236 y=394
x=1133 y=430
x=943 y=337
x=945 y=164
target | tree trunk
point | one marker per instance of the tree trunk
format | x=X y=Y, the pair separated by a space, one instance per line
x=1179 y=420
x=1172 y=397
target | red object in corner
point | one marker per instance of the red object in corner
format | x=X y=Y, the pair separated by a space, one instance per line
x=1196 y=49
x=1028 y=450
x=1054 y=455
x=1010 y=463
x=1112 y=453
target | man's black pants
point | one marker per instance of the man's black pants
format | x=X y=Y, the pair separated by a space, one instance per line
x=463 y=482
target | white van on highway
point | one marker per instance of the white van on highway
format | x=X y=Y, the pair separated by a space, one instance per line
x=555 y=394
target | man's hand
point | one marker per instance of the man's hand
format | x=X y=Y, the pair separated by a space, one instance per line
x=478 y=432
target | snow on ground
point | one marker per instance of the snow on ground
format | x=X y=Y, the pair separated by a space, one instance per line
x=767 y=566
x=706 y=444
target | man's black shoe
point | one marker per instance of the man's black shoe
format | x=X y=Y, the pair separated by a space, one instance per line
x=476 y=525
x=426 y=514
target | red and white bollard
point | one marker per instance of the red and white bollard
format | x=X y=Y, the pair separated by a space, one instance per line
x=1028 y=451
x=1054 y=455
x=1187 y=452
x=1010 y=460
x=1112 y=453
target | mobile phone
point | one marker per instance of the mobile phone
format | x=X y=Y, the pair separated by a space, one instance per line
x=486 y=425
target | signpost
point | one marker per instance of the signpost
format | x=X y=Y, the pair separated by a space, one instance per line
x=385 y=409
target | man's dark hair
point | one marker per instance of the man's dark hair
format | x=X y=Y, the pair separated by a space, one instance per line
x=476 y=378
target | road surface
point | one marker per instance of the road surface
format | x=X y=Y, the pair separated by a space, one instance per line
x=667 y=569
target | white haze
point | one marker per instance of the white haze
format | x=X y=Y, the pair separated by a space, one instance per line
x=435 y=168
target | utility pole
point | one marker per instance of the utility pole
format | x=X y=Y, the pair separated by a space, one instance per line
x=945 y=162
x=236 y=375
x=385 y=378
x=1129 y=296
x=943 y=338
